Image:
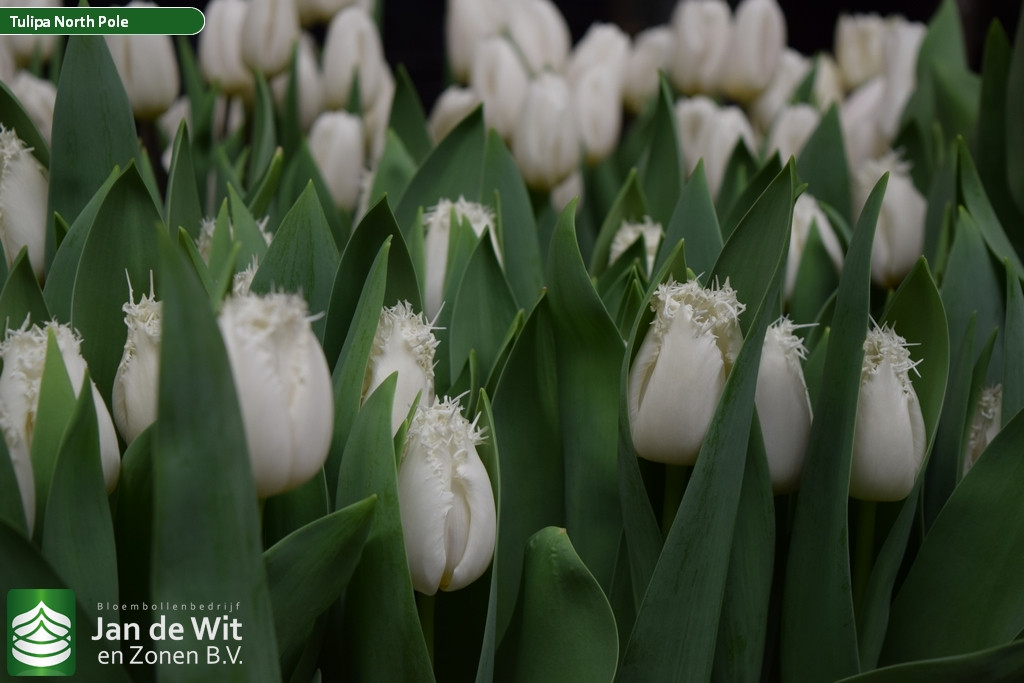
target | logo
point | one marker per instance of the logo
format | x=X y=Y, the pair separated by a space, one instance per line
x=41 y=632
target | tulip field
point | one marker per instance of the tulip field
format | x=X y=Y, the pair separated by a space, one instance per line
x=674 y=356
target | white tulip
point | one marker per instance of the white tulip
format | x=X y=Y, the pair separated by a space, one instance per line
x=604 y=46
x=310 y=83
x=899 y=234
x=220 y=47
x=134 y=397
x=322 y=11
x=449 y=521
x=336 y=141
x=38 y=97
x=729 y=127
x=148 y=68
x=703 y=31
x=453 y=105
x=790 y=72
x=783 y=405
x=859 y=114
x=569 y=189
x=807 y=214
x=540 y=31
x=404 y=343
x=901 y=44
x=793 y=127
x=377 y=114
x=889 y=437
x=241 y=283
x=467 y=23
x=827 y=87
x=652 y=52
x=25 y=47
x=694 y=121
x=24 y=189
x=858 y=47
x=597 y=97
x=499 y=78
x=268 y=35
x=283 y=386
x=546 y=142
x=24 y=358
x=985 y=424
x=437 y=222
x=758 y=39
x=628 y=233
x=8 y=67
x=352 y=49
x=680 y=370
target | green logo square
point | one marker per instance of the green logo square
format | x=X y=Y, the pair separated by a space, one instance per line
x=40 y=632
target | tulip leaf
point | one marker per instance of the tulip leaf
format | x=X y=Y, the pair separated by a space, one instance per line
x=527 y=425
x=505 y=350
x=818 y=581
x=1013 y=333
x=394 y=171
x=629 y=206
x=119 y=252
x=1014 y=139
x=694 y=220
x=589 y=351
x=14 y=116
x=739 y=170
x=520 y=243
x=751 y=191
x=22 y=565
x=245 y=231
x=21 y=300
x=488 y=452
x=661 y=170
x=822 y=164
x=563 y=626
x=309 y=569
x=944 y=42
x=407 y=119
x=302 y=258
x=93 y=129
x=12 y=512
x=77 y=511
x=286 y=512
x=972 y=195
x=133 y=518
x=632 y=301
x=206 y=540
x=264 y=140
x=816 y=279
x=263 y=189
x=382 y=639
x=1003 y=664
x=973 y=536
x=301 y=170
x=451 y=170
x=814 y=366
x=183 y=208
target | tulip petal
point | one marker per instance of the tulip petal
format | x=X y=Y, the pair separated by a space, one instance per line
x=425 y=503
x=472 y=485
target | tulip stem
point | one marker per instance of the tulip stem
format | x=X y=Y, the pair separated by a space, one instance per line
x=676 y=478
x=865 y=550
x=425 y=607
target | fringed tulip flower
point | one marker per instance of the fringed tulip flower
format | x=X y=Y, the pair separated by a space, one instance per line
x=220 y=48
x=352 y=49
x=134 y=398
x=148 y=68
x=758 y=39
x=807 y=214
x=23 y=197
x=499 y=78
x=858 y=47
x=985 y=424
x=453 y=105
x=336 y=141
x=546 y=142
x=702 y=44
x=38 y=97
x=628 y=233
x=437 y=226
x=268 y=35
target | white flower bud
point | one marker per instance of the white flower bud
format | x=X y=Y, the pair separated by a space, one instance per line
x=985 y=424
x=858 y=47
x=628 y=233
x=901 y=44
x=451 y=107
x=283 y=386
x=703 y=31
x=783 y=405
x=25 y=47
x=23 y=195
x=859 y=114
x=336 y=141
x=310 y=83
x=24 y=358
x=540 y=31
x=793 y=126
x=377 y=115
x=569 y=189
x=220 y=47
x=790 y=72
x=680 y=370
x=404 y=343
x=499 y=78
x=352 y=48
x=134 y=397
x=598 y=107
x=728 y=127
x=437 y=228
x=694 y=120
x=758 y=39
x=148 y=68
x=546 y=143
x=322 y=11
x=652 y=52
x=268 y=35
x=828 y=87
x=899 y=234
x=605 y=47
x=241 y=283
x=37 y=97
x=467 y=23
x=807 y=213
x=889 y=436
x=449 y=521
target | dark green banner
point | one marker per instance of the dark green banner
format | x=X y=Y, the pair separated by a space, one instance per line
x=101 y=20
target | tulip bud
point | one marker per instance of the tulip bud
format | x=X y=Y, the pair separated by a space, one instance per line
x=628 y=233
x=793 y=126
x=899 y=234
x=283 y=386
x=680 y=370
x=377 y=114
x=827 y=87
x=449 y=521
x=148 y=69
x=38 y=97
x=858 y=47
x=321 y=11
x=23 y=195
x=336 y=141
x=26 y=47
x=783 y=405
x=569 y=189
x=901 y=44
x=352 y=49
x=134 y=396
x=889 y=436
x=451 y=107
x=985 y=424
x=467 y=23
x=540 y=31
x=598 y=107
x=758 y=39
x=437 y=228
x=729 y=127
x=862 y=138
x=694 y=119
x=790 y=72
x=605 y=47
x=241 y=283
x=546 y=143
x=807 y=214
x=24 y=358
x=310 y=83
x=500 y=80
x=220 y=47
x=268 y=35
x=652 y=52
x=404 y=343
x=702 y=42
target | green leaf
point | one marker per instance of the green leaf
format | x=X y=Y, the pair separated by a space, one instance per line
x=823 y=166
x=630 y=206
x=77 y=512
x=739 y=170
x=245 y=231
x=133 y=519
x=488 y=452
x=394 y=171
x=563 y=625
x=816 y=280
x=382 y=639
x=14 y=116
x=661 y=173
x=301 y=170
x=944 y=42
x=694 y=220
x=818 y=581
x=20 y=300
x=996 y=665
x=206 y=540
x=263 y=191
x=12 y=512
x=183 y=208
x=972 y=195
x=1014 y=135
x=1013 y=333
x=407 y=117
x=264 y=140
